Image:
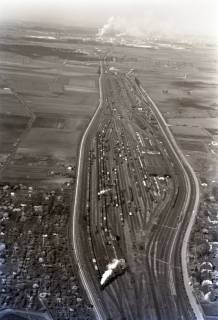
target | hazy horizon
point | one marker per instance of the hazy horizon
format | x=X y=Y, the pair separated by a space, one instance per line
x=196 y=17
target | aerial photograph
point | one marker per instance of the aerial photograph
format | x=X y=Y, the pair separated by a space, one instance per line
x=109 y=160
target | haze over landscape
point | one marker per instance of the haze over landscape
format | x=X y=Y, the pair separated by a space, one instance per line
x=167 y=17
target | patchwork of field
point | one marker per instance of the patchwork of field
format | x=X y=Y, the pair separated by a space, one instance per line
x=184 y=85
x=59 y=95
x=181 y=81
x=45 y=105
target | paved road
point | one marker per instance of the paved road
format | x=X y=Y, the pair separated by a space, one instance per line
x=178 y=251
x=76 y=209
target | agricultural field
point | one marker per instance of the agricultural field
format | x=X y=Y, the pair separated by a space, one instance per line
x=184 y=85
x=45 y=105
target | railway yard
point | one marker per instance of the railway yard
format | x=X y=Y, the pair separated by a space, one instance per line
x=132 y=208
x=95 y=196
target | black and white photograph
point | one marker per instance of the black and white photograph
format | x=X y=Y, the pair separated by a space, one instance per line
x=108 y=160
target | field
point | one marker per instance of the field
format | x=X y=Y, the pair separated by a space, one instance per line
x=192 y=145
x=179 y=128
x=184 y=85
x=211 y=123
x=45 y=105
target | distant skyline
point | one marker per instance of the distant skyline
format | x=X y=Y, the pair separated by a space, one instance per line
x=192 y=17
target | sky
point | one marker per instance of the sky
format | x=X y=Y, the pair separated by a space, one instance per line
x=197 y=17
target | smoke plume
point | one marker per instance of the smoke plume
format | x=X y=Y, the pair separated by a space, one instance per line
x=110 y=268
x=118 y=26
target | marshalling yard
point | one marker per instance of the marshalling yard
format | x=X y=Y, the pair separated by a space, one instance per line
x=134 y=207
x=97 y=205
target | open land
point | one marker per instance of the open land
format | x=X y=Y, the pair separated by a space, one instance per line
x=43 y=113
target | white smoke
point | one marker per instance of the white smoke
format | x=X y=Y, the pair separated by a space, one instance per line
x=106 y=275
x=110 y=268
x=159 y=22
x=118 y=26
